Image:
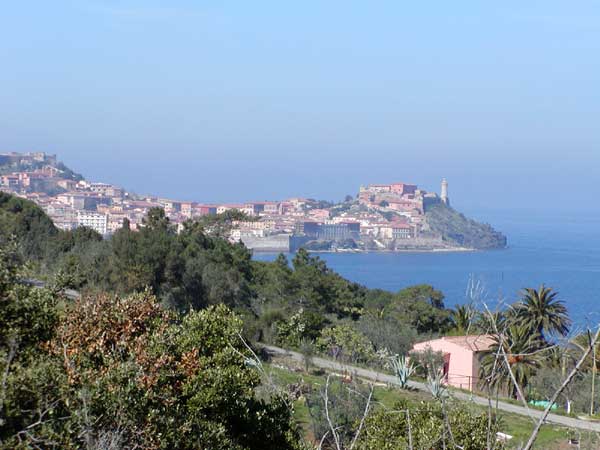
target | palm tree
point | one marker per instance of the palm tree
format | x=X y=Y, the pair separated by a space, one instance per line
x=462 y=318
x=541 y=312
x=522 y=353
x=581 y=342
x=491 y=322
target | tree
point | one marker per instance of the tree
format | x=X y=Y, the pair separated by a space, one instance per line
x=541 y=312
x=301 y=326
x=489 y=322
x=27 y=314
x=174 y=384
x=219 y=225
x=272 y=281
x=462 y=318
x=316 y=287
x=125 y=369
x=345 y=343
x=387 y=334
x=523 y=358
x=336 y=411
x=27 y=224
x=423 y=307
x=575 y=397
x=425 y=426
x=128 y=273
x=28 y=317
x=427 y=362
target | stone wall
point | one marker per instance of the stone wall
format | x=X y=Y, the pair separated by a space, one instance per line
x=275 y=243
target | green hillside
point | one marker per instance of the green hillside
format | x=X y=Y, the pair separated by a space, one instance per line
x=460 y=230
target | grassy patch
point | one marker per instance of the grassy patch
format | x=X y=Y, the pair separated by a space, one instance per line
x=551 y=437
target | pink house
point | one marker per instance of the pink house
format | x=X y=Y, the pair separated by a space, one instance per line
x=461 y=357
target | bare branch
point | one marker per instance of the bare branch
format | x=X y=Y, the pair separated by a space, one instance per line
x=448 y=427
x=573 y=372
x=410 y=444
x=507 y=362
x=255 y=361
x=362 y=420
x=12 y=351
x=322 y=440
x=336 y=437
x=489 y=427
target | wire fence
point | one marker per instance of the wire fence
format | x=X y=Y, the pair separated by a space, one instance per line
x=465 y=382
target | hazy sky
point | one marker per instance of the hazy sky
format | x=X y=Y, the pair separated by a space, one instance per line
x=240 y=100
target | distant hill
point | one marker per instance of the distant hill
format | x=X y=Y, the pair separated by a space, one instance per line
x=460 y=230
x=24 y=162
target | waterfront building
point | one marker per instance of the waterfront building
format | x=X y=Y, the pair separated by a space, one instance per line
x=401 y=231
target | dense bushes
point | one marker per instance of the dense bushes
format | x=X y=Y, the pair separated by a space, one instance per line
x=344 y=343
x=282 y=302
x=429 y=427
x=28 y=224
x=126 y=371
x=362 y=424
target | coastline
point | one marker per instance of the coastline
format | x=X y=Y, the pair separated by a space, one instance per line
x=415 y=250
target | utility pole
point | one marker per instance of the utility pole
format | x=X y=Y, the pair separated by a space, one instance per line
x=593 y=380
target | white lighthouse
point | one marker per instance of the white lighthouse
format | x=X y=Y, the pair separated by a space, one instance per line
x=444 y=192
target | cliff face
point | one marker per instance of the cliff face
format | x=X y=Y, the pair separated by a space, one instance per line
x=460 y=230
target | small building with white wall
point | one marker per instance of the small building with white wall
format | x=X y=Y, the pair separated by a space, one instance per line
x=94 y=220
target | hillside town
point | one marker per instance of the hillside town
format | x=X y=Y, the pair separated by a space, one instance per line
x=380 y=217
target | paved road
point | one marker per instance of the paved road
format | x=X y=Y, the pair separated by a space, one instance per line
x=69 y=293
x=482 y=401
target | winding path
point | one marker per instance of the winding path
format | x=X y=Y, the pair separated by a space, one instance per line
x=390 y=379
x=481 y=401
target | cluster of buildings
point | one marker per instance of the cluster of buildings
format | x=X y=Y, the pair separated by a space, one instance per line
x=380 y=214
x=29 y=159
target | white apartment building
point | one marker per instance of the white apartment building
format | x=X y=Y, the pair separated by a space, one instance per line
x=95 y=221
x=73 y=200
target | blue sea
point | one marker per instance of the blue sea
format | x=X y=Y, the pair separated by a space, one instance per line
x=560 y=250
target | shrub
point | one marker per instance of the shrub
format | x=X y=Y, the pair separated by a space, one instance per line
x=345 y=343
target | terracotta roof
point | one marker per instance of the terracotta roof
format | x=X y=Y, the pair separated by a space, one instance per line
x=475 y=342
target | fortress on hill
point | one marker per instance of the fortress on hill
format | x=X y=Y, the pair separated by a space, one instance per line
x=401 y=196
x=27 y=159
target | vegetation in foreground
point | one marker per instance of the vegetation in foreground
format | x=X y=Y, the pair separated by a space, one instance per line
x=153 y=355
x=386 y=398
x=124 y=372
